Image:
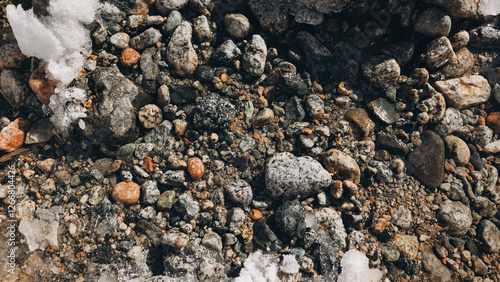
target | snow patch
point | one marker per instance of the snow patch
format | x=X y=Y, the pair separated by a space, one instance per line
x=355 y=268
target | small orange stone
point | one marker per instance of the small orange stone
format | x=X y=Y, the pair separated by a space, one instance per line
x=224 y=77
x=307 y=131
x=41 y=85
x=130 y=57
x=379 y=226
x=196 y=168
x=126 y=192
x=493 y=121
x=148 y=164
x=12 y=136
x=255 y=214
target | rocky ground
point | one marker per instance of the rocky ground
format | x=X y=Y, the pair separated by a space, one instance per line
x=223 y=136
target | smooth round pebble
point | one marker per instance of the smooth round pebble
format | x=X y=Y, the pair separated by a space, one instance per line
x=126 y=192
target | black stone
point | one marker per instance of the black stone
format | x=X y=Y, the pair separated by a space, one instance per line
x=192 y=135
x=294 y=111
x=428 y=160
x=292 y=85
x=204 y=73
x=183 y=95
x=289 y=219
x=264 y=238
x=213 y=112
x=392 y=144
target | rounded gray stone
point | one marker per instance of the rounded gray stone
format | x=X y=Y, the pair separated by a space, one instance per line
x=456 y=216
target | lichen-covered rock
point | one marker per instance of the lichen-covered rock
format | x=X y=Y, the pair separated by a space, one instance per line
x=289 y=177
x=181 y=56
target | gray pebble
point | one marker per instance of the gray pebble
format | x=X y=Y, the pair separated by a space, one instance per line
x=149 y=192
x=173 y=178
x=146 y=39
x=433 y=23
x=254 y=57
x=226 y=53
x=239 y=191
x=439 y=52
x=382 y=71
x=237 y=25
x=189 y=205
x=456 y=216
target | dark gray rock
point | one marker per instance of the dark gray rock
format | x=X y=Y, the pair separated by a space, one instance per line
x=174 y=19
x=402 y=52
x=183 y=95
x=149 y=67
x=204 y=73
x=149 y=192
x=271 y=15
x=289 y=177
x=433 y=22
x=173 y=178
x=264 y=238
x=315 y=107
x=451 y=121
x=310 y=17
x=11 y=56
x=146 y=39
x=392 y=144
x=226 y=53
x=485 y=37
x=112 y=114
x=294 y=111
x=384 y=173
x=315 y=50
x=292 y=85
x=427 y=160
x=212 y=112
x=289 y=219
x=384 y=110
x=489 y=234
x=161 y=137
x=166 y=6
x=456 y=216
x=13 y=88
x=437 y=270
x=189 y=206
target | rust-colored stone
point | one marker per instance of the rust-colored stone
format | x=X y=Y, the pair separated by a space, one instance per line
x=493 y=121
x=12 y=136
x=129 y=57
x=341 y=166
x=148 y=164
x=42 y=85
x=379 y=226
x=196 y=168
x=126 y=192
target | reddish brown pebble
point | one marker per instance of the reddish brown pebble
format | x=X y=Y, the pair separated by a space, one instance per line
x=379 y=226
x=127 y=192
x=130 y=57
x=41 y=85
x=148 y=164
x=12 y=136
x=493 y=121
x=196 y=168
x=113 y=167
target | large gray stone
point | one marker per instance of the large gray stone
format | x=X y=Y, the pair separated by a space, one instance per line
x=181 y=56
x=456 y=216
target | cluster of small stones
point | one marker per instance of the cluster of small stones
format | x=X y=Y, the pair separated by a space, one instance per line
x=318 y=128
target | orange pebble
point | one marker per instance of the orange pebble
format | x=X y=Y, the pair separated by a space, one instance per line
x=126 y=192
x=12 y=136
x=379 y=226
x=307 y=131
x=148 y=164
x=224 y=77
x=130 y=57
x=196 y=168
x=255 y=214
x=42 y=85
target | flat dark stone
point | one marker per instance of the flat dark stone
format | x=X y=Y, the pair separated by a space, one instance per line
x=428 y=160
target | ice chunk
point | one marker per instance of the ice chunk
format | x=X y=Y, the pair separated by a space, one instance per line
x=28 y=29
x=259 y=267
x=66 y=107
x=355 y=268
x=37 y=230
x=289 y=265
x=488 y=7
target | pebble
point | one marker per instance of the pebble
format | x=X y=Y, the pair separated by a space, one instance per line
x=451 y=122
x=271 y=16
x=465 y=91
x=237 y=25
x=437 y=270
x=13 y=88
x=482 y=135
x=427 y=160
x=173 y=178
x=226 y=53
x=40 y=132
x=239 y=191
x=460 y=64
x=254 y=56
x=457 y=149
x=438 y=53
x=292 y=84
x=181 y=56
x=196 y=168
x=392 y=144
x=402 y=217
x=341 y=166
x=204 y=73
x=12 y=136
x=283 y=67
x=11 y=56
x=314 y=49
x=493 y=122
x=43 y=86
x=315 y=107
x=246 y=144
x=384 y=110
x=237 y=218
x=489 y=234
x=382 y=71
x=460 y=39
x=433 y=22
x=294 y=112
x=202 y=29
x=120 y=40
x=126 y=192
x=485 y=37
x=166 y=200
x=46 y=165
x=213 y=112
x=402 y=52
x=290 y=219
x=310 y=17
x=167 y=6
x=129 y=57
x=174 y=239
x=492 y=148
x=264 y=238
x=456 y=216
x=289 y=177
x=150 y=116
x=189 y=205
x=174 y=19
x=390 y=252
x=180 y=126
x=362 y=122
x=264 y=117
x=212 y=241
x=183 y=95
x=97 y=195
x=408 y=245
x=149 y=192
